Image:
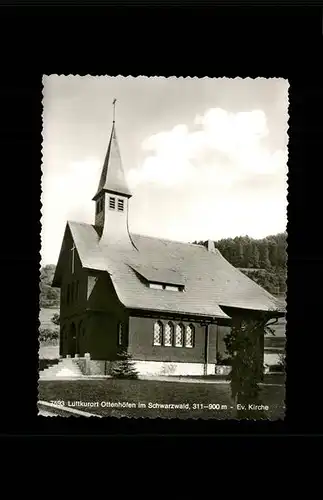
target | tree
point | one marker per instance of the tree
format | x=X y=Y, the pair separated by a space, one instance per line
x=273 y=254
x=240 y=254
x=255 y=256
x=56 y=319
x=244 y=344
x=264 y=256
x=46 y=334
x=249 y=262
x=49 y=296
x=124 y=367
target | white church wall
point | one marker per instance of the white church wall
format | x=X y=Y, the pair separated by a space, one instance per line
x=168 y=368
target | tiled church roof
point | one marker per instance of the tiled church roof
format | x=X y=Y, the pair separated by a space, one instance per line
x=209 y=280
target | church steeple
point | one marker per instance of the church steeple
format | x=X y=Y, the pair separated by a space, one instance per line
x=112 y=196
x=112 y=176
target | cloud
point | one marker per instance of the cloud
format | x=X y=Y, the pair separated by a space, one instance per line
x=227 y=147
x=66 y=196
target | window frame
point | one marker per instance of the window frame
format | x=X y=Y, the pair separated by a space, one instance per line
x=192 y=327
x=169 y=325
x=120 y=202
x=155 y=286
x=181 y=327
x=112 y=202
x=161 y=333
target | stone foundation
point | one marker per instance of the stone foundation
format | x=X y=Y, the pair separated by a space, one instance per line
x=151 y=368
x=164 y=368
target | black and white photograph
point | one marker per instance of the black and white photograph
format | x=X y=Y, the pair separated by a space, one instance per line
x=163 y=247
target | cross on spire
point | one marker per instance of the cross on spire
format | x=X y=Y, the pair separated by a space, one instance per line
x=73 y=257
x=114 y=109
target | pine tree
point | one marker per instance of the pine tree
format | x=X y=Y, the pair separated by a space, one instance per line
x=124 y=367
x=255 y=256
x=264 y=257
x=273 y=254
x=240 y=254
x=249 y=262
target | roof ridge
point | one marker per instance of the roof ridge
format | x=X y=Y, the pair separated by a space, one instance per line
x=166 y=239
x=144 y=235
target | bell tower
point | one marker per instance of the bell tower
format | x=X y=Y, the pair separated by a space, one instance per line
x=112 y=197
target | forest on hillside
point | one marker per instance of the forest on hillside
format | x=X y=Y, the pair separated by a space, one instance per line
x=264 y=261
x=49 y=297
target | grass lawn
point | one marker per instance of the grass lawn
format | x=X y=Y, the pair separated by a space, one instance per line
x=144 y=392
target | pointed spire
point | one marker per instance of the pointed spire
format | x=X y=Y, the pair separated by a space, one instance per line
x=113 y=177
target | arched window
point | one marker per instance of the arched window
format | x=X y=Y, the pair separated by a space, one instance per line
x=179 y=335
x=169 y=334
x=158 y=333
x=189 y=336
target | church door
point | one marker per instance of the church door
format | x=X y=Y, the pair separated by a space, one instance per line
x=72 y=340
x=77 y=340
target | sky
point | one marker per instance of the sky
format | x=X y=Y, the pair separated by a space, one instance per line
x=204 y=158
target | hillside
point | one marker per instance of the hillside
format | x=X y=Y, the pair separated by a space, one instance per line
x=49 y=297
x=264 y=260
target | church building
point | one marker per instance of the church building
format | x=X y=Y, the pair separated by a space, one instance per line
x=168 y=304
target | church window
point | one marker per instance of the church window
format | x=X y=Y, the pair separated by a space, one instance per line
x=120 y=205
x=158 y=333
x=120 y=334
x=189 y=336
x=156 y=286
x=159 y=286
x=179 y=335
x=169 y=334
x=112 y=203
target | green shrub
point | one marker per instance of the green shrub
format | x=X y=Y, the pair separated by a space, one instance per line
x=46 y=334
x=124 y=367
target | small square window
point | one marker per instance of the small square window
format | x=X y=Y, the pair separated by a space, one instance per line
x=120 y=205
x=112 y=203
x=156 y=286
